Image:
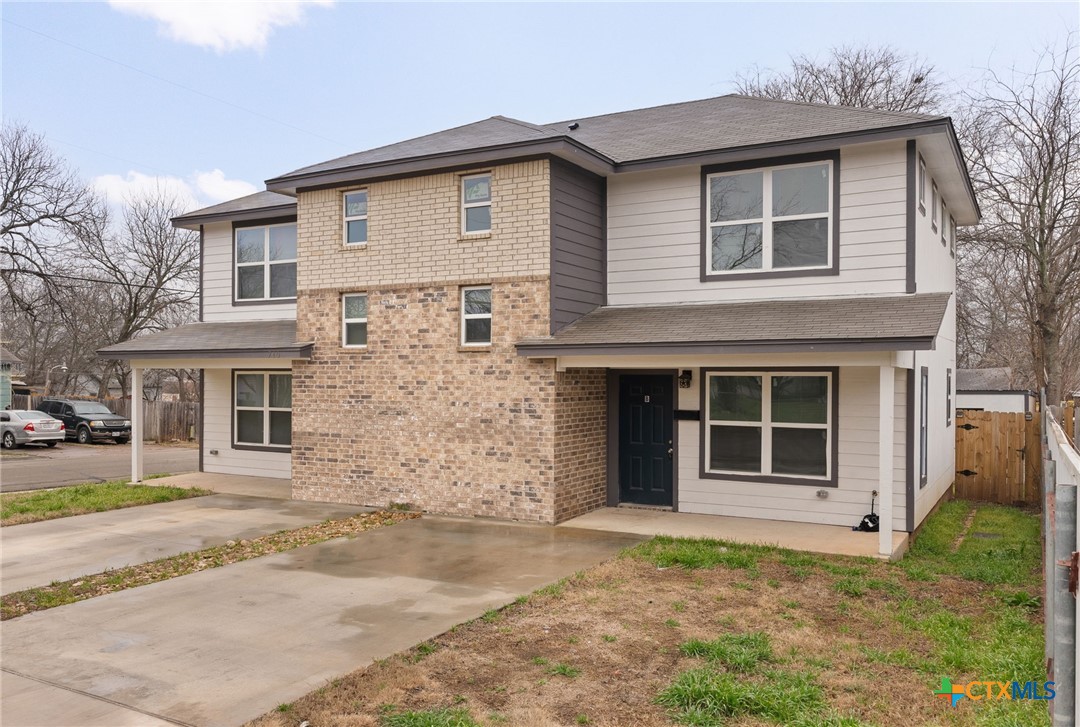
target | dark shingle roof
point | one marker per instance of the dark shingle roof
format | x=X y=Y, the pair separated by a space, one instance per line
x=253 y=203
x=999 y=379
x=264 y=339
x=724 y=122
x=710 y=124
x=880 y=323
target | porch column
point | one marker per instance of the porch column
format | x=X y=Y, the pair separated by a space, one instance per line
x=136 y=425
x=886 y=415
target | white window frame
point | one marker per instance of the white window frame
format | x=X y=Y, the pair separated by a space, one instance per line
x=922 y=184
x=346 y=321
x=265 y=409
x=944 y=223
x=470 y=205
x=952 y=235
x=766 y=424
x=767 y=219
x=266 y=263
x=934 y=197
x=355 y=218
x=476 y=316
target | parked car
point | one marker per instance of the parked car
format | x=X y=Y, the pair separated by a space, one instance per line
x=88 y=421
x=19 y=426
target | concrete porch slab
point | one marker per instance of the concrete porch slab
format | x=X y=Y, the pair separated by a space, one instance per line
x=828 y=539
x=280 y=488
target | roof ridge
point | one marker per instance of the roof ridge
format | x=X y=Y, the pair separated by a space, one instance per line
x=526 y=124
x=644 y=108
x=820 y=105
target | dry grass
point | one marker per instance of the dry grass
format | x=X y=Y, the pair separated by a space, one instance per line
x=845 y=641
x=100 y=584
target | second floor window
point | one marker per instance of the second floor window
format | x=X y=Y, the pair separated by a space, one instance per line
x=933 y=206
x=770 y=219
x=266 y=262
x=922 y=185
x=476 y=203
x=356 y=217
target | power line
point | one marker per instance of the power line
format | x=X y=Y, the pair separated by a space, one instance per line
x=189 y=89
x=107 y=282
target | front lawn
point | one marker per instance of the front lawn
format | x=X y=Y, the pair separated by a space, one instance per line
x=17 y=508
x=708 y=633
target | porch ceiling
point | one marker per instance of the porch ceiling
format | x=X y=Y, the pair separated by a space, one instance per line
x=248 y=339
x=869 y=323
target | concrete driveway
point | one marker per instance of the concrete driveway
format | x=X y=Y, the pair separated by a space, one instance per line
x=35 y=467
x=222 y=646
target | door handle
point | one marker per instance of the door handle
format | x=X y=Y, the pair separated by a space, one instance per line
x=670 y=452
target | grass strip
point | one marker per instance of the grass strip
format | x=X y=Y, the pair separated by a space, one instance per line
x=99 y=584
x=18 y=508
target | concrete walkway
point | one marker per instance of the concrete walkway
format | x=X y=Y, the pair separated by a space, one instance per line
x=229 y=484
x=37 y=554
x=223 y=646
x=829 y=539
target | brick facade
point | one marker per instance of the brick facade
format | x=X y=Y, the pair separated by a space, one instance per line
x=414 y=417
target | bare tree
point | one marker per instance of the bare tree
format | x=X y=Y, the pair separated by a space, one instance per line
x=1023 y=134
x=859 y=76
x=43 y=207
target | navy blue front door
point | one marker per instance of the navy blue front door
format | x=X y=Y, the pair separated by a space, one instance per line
x=646 y=421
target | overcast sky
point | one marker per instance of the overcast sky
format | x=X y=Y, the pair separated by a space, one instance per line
x=213 y=98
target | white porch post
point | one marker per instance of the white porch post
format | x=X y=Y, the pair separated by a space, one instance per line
x=136 y=425
x=886 y=409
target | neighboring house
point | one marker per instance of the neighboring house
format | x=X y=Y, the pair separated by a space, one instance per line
x=8 y=362
x=992 y=390
x=732 y=306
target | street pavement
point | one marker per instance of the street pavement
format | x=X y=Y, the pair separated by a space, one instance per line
x=37 y=467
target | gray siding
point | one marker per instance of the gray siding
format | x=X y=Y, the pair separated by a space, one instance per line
x=578 y=214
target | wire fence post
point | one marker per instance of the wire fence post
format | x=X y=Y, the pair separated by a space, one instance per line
x=1064 y=606
x=1048 y=479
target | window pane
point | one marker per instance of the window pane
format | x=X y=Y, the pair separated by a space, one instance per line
x=283 y=280
x=800 y=399
x=250 y=279
x=735 y=197
x=735 y=398
x=736 y=247
x=801 y=190
x=356 y=334
x=799 y=452
x=735 y=448
x=356 y=231
x=477 y=189
x=249 y=244
x=356 y=306
x=356 y=204
x=281 y=427
x=249 y=390
x=801 y=243
x=478 y=330
x=478 y=300
x=281 y=391
x=249 y=427
x=478 y=219
x=283 y=242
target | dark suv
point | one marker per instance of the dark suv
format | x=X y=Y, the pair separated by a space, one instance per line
x=87 y=421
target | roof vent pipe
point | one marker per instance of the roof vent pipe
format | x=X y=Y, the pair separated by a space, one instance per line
x=573 y=126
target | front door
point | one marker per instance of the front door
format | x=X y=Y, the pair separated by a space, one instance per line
x=646 y=448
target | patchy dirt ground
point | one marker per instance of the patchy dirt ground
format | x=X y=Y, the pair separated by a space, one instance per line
x=600 y=647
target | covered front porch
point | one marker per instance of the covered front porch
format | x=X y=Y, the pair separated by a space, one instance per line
x=245 y=389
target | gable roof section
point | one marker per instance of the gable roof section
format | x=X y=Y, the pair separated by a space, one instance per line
x=248 y=339
x=893 y=323
x=986 y=380
x=8 y=357
x=254 y=206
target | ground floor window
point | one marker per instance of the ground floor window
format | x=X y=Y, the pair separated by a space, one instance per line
x=262 y=409
x=776 y=424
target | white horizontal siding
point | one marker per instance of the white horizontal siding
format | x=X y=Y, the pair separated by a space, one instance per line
x=857 y=446
x=217 y=432
x=217 y=282
x=654 y=236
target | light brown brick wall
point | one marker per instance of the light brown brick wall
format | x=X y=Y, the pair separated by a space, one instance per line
x=414 y=231
x=580 y=442
x=414 y=418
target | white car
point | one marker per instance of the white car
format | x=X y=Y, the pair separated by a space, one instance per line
x=19 y=426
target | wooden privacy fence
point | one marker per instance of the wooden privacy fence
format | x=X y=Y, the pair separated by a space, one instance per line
x=1069 y=419
x=163 y=421
x=998 y=457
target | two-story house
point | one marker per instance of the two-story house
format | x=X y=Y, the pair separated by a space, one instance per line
x=732 y=306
